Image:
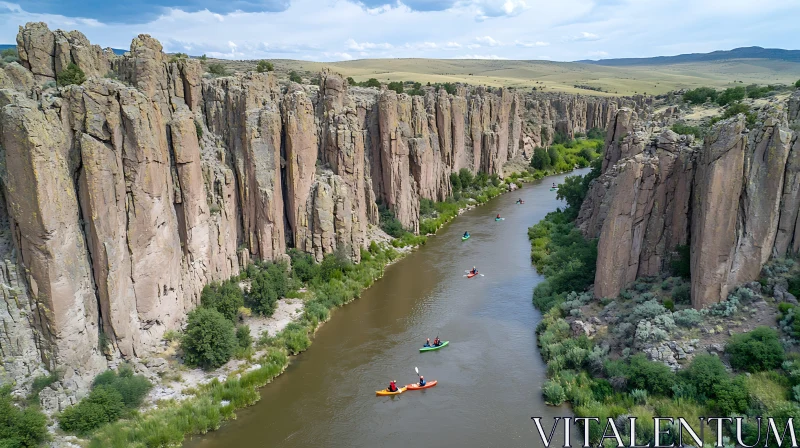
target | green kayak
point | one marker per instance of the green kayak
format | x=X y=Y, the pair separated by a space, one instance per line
x=464 y=238
x=428 y=349
x=553 y=189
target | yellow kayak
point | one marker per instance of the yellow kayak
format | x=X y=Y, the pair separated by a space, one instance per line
x=386 y=391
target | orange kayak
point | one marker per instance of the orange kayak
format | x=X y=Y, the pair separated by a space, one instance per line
x=471 y=274
x=418 y=387
x=386 y=392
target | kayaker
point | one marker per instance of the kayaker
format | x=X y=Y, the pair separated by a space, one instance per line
x=466 y=234
x=498 y=216
x=427 y=343
x=554 y=185
x=421 y=381
x=437 y=342
x=474 y=270
x=393 y=386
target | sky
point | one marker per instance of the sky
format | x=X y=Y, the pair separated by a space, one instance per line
x=336 y=30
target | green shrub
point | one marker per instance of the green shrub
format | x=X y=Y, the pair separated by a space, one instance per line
x=756 y=351
x=639 y=396
x=687 y=318
x=731 y=396
x=669 y=304
x=225 y=297
x=303 y=266
x=797 y=84
x=71 y=75
x=596 y=134
x=209 y=340
x=243 y=338
x=684 y=129
x=372 y=82
x=553 y=393
x=217 y=69
x=294 y=338
x=455 y=181
x=103 y=405
x=704 y=372
x=132 y=388
x=731 y=95
x=682 y=294
x=651 y=376
x=20 y=427
x=268 y=282
x=389 y=222
x=315 y=313
x=295 y=77
x=466 y=177
x=396 y=86
x=540 y=159
x=264 y=66
x=700 y=95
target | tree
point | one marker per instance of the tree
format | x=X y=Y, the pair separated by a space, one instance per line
x=217 y=69
x=466 y=178
x=797 y=84
x=540 y=159
x=455 y=181
x=756 y=351
x=351 y=81
x=294 y=77
x=572 y=190
x=555 y=156
x=596 y=134
x=704 y=372
x=103 y=405
x=264 y=66
x=372 y=82
x=651 y=376
x=225 y=297
x=700 y=95
x=731 y=95
x=20 y=427
x=71 y=75
x=209 y=340
x=396 y=86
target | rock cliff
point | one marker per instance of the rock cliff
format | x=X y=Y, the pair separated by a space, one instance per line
x=733 y=200
x=122 y=197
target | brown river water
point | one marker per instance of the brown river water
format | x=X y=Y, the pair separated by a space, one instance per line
x=489 y=376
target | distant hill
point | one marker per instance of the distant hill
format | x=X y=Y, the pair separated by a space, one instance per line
x=736 y=53
x=7 y=46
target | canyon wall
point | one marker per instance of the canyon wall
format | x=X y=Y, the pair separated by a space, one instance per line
x=733 y=199
x=122 y=197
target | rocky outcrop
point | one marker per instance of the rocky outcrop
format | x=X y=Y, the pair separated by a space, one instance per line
x=638 y=210
x=125 y=195
x=734 y=201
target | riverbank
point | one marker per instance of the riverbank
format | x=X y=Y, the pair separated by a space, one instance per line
x=647 y=353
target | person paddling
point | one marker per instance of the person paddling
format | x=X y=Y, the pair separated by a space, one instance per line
x=554 y=185
x=437 y=342
x=474 y=270
x=498 y=216
x=466 y=234
x=393 y=386
x=427 y=342
x=421 y=381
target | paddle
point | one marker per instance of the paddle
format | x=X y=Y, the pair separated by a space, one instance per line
x=416 y=370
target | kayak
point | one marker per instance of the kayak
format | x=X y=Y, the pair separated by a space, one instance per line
x=418 y=387
x=499 y=219
x=464 y=238
x=428 y=349
x=520 y=202
x=471 y=274
x=386 y=392
x=553 y=189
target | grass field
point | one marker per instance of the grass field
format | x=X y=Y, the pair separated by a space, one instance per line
x=552 y=76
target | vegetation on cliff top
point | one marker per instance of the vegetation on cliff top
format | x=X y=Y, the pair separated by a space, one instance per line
x=20 y=427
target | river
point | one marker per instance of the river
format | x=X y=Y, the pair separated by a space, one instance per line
x=489 y=376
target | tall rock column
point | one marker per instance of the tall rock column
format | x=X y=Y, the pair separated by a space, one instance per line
x=717 y=187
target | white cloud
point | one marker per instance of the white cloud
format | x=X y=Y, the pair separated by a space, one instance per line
x=361 y=46
x=531 y=44
x=488 y=41
x=342 y=29
x=584 y=37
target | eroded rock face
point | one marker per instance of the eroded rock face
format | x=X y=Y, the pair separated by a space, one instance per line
x=735 y=201
x=122 y=199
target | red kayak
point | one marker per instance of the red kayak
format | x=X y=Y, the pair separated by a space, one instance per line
x=471 y=274
x=418 y=387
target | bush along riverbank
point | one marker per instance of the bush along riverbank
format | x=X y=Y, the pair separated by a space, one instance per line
x=648 y=354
